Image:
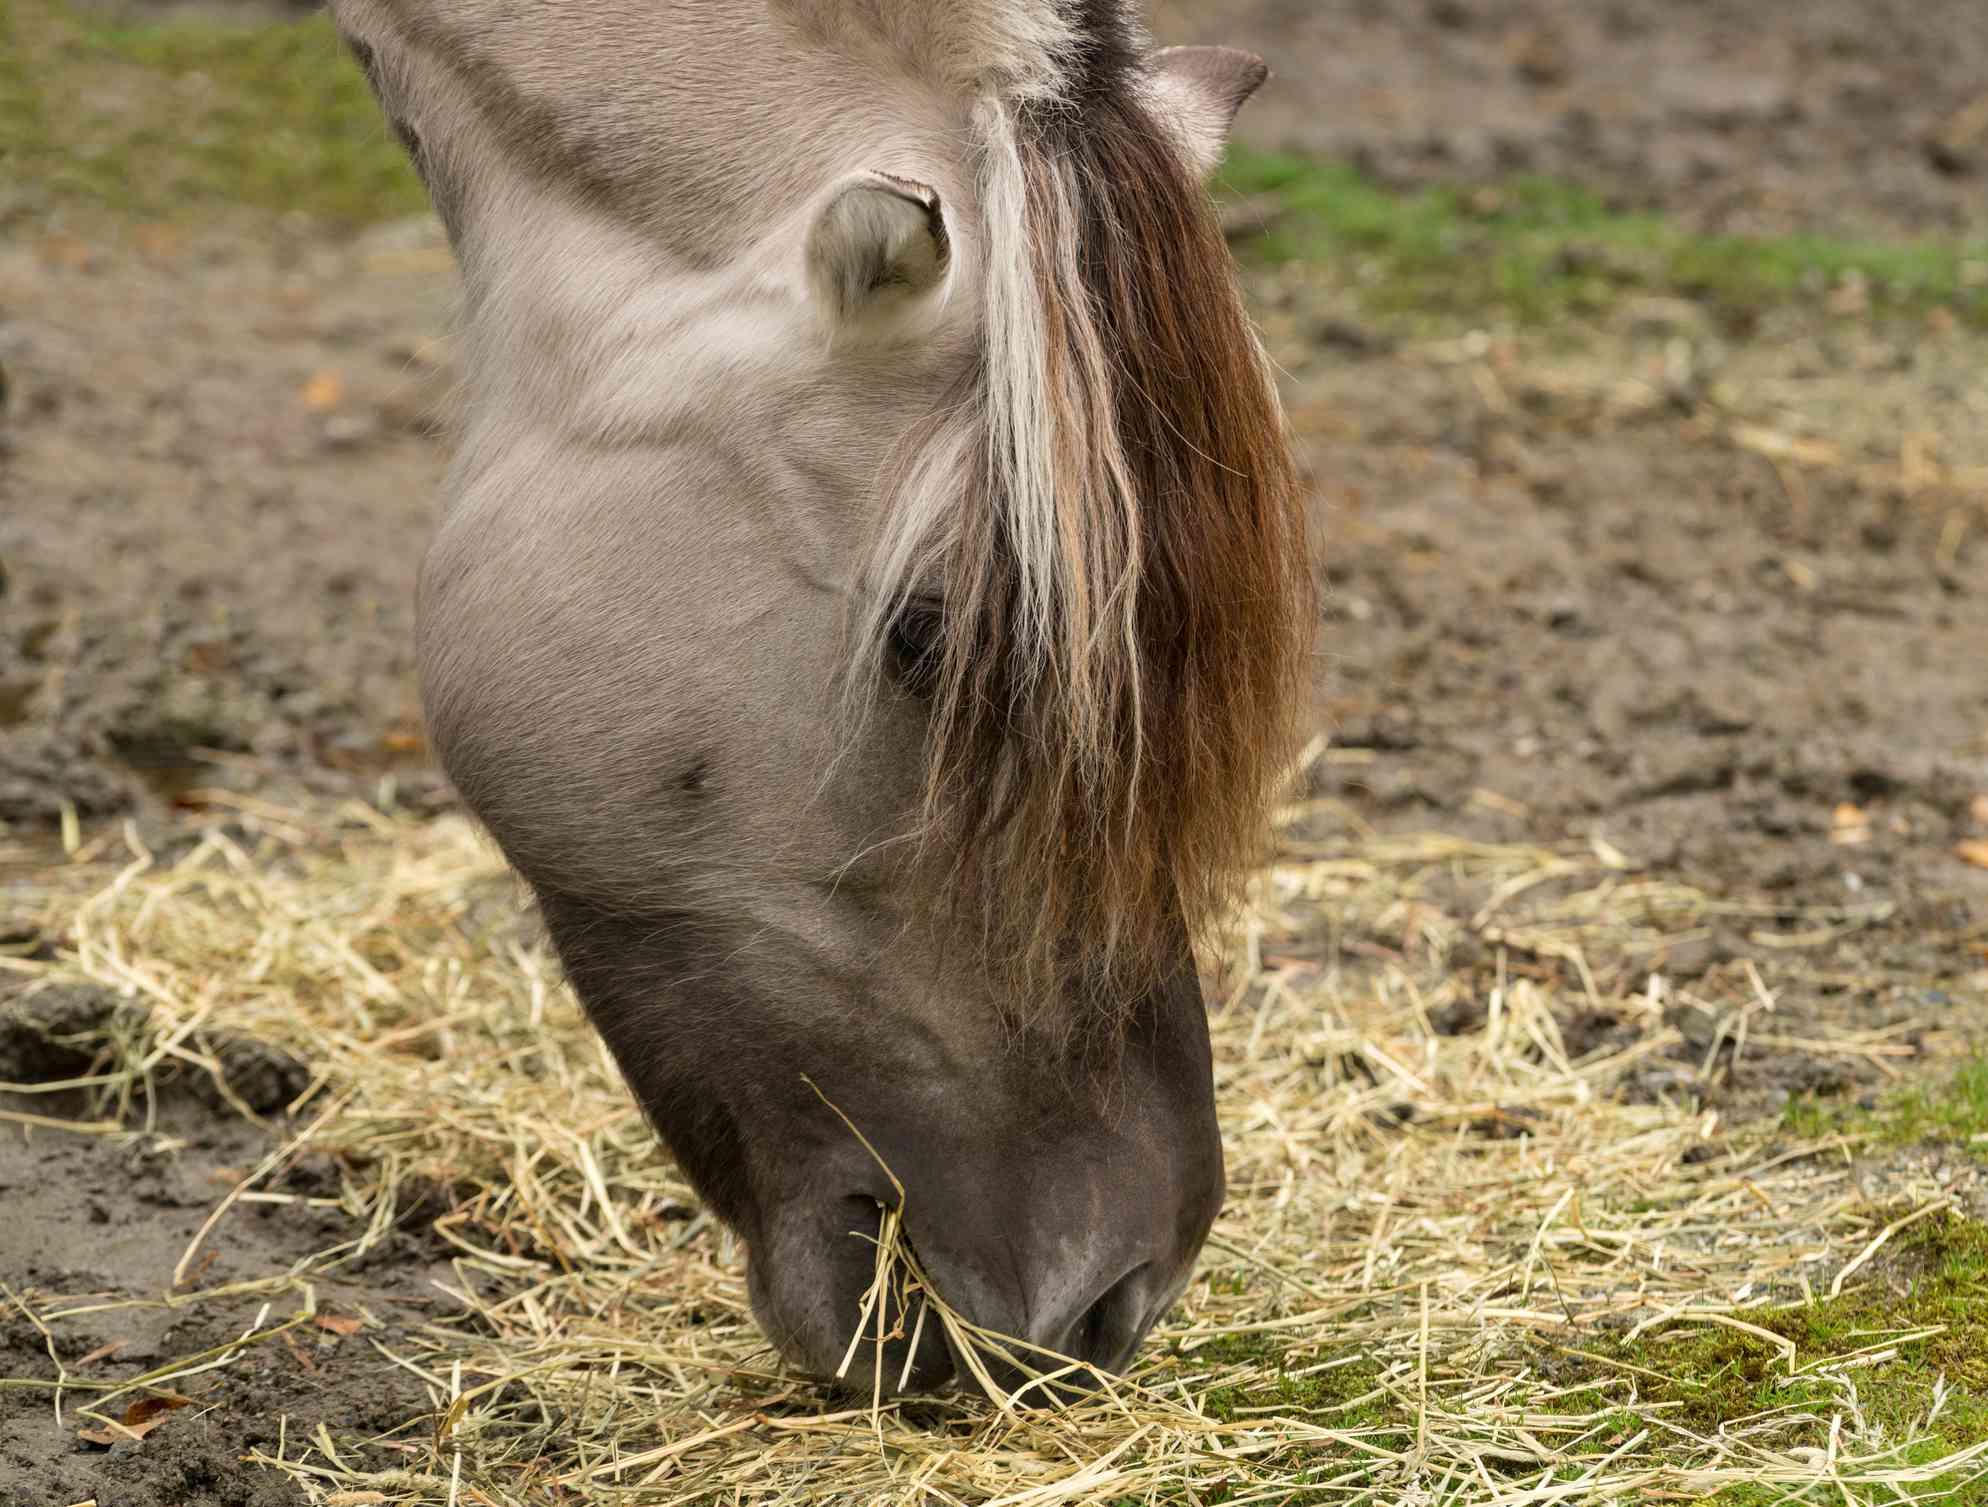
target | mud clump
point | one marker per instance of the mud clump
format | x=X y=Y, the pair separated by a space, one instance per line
x=262 y=1078
x=57 y=1032
x=66 y=1031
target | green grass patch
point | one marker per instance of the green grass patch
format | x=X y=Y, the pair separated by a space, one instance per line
x=1933 y=1275
x=172 y=119
x=1264 y=1370
x=1953 y=1113
x=24 y=143
x=1542 y=250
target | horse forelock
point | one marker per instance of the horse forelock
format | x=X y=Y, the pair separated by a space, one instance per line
x=1126 y=595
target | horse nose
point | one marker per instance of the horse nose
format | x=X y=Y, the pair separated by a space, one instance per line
x=1076 y=1326
x=1106 y=1332
x=1050 y=1328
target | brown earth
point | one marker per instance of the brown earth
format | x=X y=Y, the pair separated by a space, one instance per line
x=1640 y=582
x=203 y=549
x=1730 y=115
x=101 y=1221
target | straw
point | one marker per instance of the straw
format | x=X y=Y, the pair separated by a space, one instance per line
x=1445 y=1220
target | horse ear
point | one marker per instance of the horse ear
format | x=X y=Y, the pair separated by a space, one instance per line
x=877 y=246
x=1198 y=90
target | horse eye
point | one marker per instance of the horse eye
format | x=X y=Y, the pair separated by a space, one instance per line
x=916 y=645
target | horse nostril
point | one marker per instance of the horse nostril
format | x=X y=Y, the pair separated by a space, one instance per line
x=1111 y=1328
x=887 y=1339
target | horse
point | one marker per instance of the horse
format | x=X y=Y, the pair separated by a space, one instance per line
x=868 y=613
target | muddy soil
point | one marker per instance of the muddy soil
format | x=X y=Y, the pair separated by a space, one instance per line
x=221 y=459
x=1731 y=115
x=1546 y=618
x=1648 y=582
x=219 y=455
x=101 y=1222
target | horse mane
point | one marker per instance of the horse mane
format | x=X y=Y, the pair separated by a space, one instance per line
x=1125 y=600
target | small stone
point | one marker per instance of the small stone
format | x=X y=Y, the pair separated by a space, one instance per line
x=1543 y=61
x=1698 y=956
x=1658 y=317
x=1345 y=335
x=347 y=431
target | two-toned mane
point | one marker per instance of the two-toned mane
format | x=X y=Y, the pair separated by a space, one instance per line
x=872 y=605
x=1123 y=589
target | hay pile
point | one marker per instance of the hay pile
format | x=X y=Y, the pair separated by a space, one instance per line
x=1446 y=1218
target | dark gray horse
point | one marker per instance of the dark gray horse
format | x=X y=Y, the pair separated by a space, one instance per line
x=871 y=607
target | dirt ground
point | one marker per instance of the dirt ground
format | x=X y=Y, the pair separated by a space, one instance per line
x=102 y=1220
x=1716 y=601
x=1841 y=115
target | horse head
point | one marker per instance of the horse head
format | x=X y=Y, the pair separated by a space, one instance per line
x=870 y=611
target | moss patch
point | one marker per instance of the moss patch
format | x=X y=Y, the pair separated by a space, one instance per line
x=1264 y=1380
x=1954 y=1113
x=1539 y=249
x=168 y=120
x=1934 y=1277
